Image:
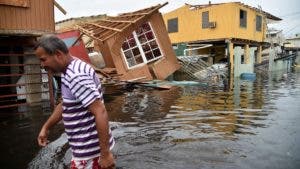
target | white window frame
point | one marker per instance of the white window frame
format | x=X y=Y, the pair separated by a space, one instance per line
x=139 y=45
x=130 y=49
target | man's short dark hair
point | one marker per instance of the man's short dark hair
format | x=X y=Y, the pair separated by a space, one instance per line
x=51 y=43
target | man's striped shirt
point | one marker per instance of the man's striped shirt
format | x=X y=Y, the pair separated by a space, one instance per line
x=80 y=87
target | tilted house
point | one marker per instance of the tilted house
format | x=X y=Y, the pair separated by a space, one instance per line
x=136 y=44
x=233 y=29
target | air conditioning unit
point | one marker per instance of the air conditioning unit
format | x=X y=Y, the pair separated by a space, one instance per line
x=212 y=24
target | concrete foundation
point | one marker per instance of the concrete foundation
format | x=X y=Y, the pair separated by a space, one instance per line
x=282 y=65
x=297 y=60
x=248 y=65
x=34 y=89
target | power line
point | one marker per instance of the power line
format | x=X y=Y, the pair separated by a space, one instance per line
x=292 y=28
x=291 y=14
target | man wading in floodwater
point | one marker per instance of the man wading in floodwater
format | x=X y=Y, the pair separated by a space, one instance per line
x=82 y=109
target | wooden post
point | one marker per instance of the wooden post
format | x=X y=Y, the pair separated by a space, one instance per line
x=231 y=83
x=230 y=54
x=247 y=54
x=50 y=83
x=231 y=61
x=259 y=48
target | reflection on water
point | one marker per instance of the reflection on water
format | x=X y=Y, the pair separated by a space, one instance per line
x=18 y=130
x=253 y=125
x=197 y=127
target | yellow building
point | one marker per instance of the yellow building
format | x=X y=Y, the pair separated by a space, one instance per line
x=191 y=23
x=224 y=25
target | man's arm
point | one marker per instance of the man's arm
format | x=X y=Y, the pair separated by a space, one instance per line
x=52 y=120
x=97 y=108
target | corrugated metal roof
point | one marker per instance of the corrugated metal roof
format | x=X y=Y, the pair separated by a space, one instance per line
x=268 y=15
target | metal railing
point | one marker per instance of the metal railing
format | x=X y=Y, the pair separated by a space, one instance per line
x=19 y=80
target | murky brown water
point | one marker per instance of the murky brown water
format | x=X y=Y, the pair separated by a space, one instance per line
x=254 y=125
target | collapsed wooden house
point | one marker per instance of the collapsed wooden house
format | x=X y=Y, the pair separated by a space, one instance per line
x=136 y=44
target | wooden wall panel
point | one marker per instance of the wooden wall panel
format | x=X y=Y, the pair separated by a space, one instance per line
x=107 y=56
x=169 y=64
x=38 y=18
x=139 y=72
x=162 y=69
x=20 y=3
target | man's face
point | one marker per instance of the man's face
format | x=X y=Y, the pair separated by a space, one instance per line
x=49 y=62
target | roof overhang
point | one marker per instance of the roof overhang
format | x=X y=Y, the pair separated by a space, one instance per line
x=268 y=15
x=23 y=32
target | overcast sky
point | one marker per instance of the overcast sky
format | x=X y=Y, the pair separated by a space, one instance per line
x=288 y=10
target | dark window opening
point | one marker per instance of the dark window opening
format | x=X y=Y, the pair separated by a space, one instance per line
x=243 y=18
x=242 y=59
x=258 y=23
x=205 y=20
x=173 y=25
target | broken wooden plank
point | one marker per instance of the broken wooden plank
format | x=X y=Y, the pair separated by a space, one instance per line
x=113 y=34
x=59 y=7
x=135 y=79
x=109 y=70
x=100 y=71
x=105 y=27
x=88 y=42
x=87 y=33
x=157 y=86
x=132 y=14
x=77 y=39
x=117 y=21
x=18 y=3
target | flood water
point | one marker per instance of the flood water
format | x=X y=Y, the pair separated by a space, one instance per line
x=254 y=125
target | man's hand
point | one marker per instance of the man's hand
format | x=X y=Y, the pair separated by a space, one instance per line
x=55 y=117
x=43 y=137
x=107 y=161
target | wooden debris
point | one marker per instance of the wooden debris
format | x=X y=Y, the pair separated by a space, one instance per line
x=109 y=70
